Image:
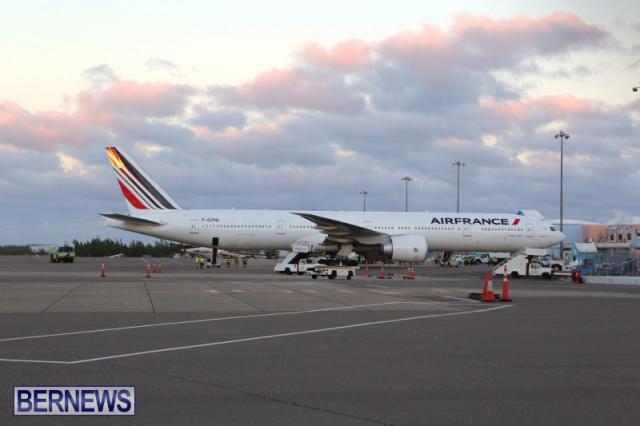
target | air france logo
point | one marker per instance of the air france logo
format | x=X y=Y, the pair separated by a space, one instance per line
x=473 y=221
x=74 y=401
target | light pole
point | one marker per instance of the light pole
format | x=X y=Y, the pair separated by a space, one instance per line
x=406 y=180
x=562 y=136
x=458 y=164
x=364 y=200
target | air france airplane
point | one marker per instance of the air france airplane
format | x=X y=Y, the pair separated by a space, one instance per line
x=401 y=236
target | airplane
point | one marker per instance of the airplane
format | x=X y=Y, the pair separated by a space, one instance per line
x=399 y=236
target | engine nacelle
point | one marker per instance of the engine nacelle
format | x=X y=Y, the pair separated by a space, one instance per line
x=406 y=248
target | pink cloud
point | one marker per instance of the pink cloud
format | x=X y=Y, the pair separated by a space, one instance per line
x=291 y=88
x=154 y=99
x=556 y=23
x=96 y=114
x=429 y=39
x=350 y=55
x=551 y=34
x=546 y=108
x=483 y=43
x=464 y=53
x=43 y=130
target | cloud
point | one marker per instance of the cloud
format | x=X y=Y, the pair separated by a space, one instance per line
x=218 y=119
x=506 y=40
x=154 y=99
x=292 y=88
x=161 y=64
x=339 y=119
x=44 y=130
x=543 y=109
x=577 y=71
x=100 y=74
x=351 y=55
x=100 y=111
x=71 y=165
x=433 y=68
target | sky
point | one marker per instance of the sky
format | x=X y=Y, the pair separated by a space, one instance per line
x=303 y=105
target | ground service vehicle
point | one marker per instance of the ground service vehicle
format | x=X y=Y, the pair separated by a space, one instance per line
x=333 y=272
x=554 y=264
x=64 y=254
x=525 y=265
x=296 y=263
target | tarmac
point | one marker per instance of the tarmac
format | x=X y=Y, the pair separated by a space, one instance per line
x=244 y=346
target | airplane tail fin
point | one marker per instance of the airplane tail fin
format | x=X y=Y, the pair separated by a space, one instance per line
x=139 y=190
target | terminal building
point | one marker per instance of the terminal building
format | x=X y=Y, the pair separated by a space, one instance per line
x=617 y=242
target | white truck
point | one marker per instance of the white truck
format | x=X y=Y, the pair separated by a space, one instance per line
x=525 y=264
x=556 y=264
x=333 y=271
x=296 y=263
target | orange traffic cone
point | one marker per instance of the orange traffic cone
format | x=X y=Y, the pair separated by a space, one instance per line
x=148 y=271
x=486 y=284
x=410 y=274
x=381 y=272
x=487 y=293
x=505 y=287
x=103 y=272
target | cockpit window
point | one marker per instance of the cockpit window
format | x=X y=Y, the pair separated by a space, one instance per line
x=553 y=228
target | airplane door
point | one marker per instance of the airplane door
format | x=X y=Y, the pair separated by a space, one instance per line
x=530 y=230
x=466 y=231
x=195 y=226
x=281 y=227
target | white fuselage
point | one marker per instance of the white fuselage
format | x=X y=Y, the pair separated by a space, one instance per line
x=278 y=230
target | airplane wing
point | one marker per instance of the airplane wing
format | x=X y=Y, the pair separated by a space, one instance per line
x=341 y=232
x=131 y=219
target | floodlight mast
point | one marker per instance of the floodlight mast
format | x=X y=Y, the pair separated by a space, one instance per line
x=406 y=180
x=562 y=136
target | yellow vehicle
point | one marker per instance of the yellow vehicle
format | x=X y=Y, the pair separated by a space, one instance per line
x=64 y=254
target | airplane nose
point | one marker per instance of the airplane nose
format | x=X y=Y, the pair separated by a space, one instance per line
x=559 y=237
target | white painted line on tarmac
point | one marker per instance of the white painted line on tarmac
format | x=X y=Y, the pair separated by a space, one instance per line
x=378 y=286
x=237 y=291
x=257 y=338
x=464 y=300
x=165 y=324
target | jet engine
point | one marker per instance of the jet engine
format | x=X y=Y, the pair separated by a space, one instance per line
x=406 y=248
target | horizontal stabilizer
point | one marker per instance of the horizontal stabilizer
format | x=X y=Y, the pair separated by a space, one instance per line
x=131 y=219
x=533 y=214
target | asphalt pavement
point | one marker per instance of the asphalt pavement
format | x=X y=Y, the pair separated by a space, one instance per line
x=247 y=346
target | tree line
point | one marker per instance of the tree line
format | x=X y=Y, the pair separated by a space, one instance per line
x=98 y=247
x=15 y=250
